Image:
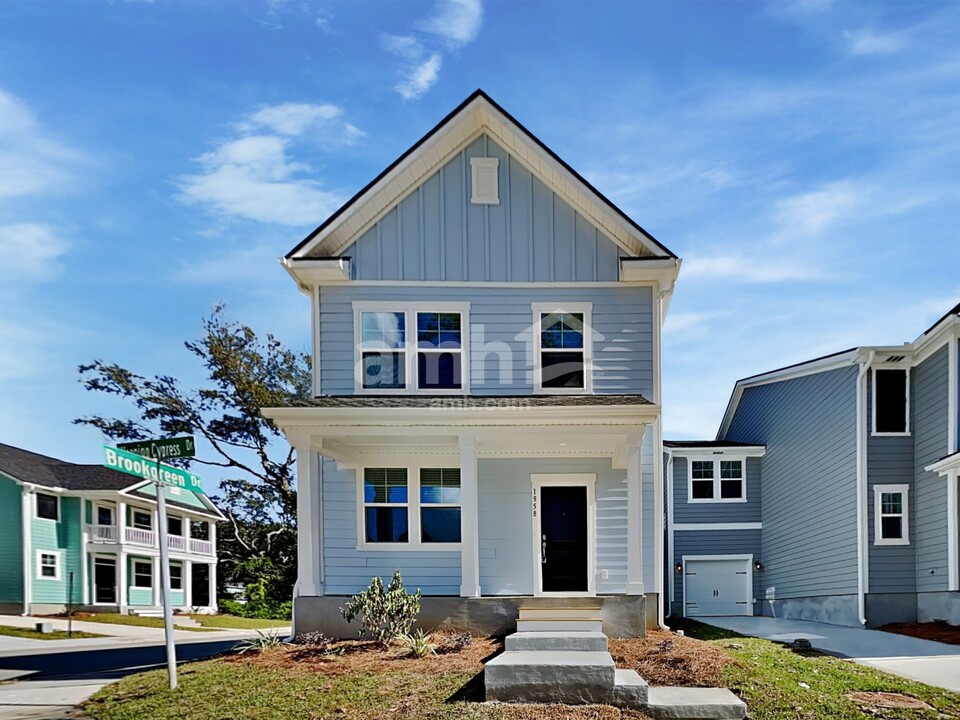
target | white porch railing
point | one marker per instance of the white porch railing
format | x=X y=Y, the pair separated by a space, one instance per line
x=102 y=533
x=136 y=536
x=203 y=547
x=176 y=542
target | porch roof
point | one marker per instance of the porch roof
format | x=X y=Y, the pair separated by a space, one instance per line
x=452 y=402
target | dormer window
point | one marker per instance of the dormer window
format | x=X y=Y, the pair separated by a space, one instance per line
x=891 y=401
x=562 y=343
x=419 y=348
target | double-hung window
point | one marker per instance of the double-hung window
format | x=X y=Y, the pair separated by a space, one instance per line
x=405 y=349
x=891 y=519
x=48 y=506
x=717 y=480
x=562 y=342
x=440 y=505
x=176 y=576
x=48 y=565
x=142 y=573
x=385 y=505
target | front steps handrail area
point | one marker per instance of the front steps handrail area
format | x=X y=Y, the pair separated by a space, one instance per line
x=560 y=654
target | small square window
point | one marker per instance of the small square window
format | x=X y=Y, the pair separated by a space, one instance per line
x=702 y=489
x=142 y=520
x=49 y=566
x=891 y=521
x=48 y=506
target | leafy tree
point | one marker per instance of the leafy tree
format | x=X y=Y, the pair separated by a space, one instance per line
x=257 y=487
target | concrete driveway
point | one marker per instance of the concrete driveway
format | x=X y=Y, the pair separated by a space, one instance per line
x=926 y=661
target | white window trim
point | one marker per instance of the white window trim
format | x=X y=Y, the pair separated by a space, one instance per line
x=414 y=542
x=36 y=507
x=177 y=563
x=97 y=506
x=586 y=309
x=58 y=566
x=589 y=481
x=410 y=348
x=489 y=163
x=716 y=499
x=878 y=491
x=873 y=403
x=133 y=573
x=148 y=513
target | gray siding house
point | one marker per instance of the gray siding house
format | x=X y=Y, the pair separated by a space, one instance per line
x=486 y=411
x=856 y=490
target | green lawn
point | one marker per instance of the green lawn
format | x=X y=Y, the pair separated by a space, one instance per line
x=232 y=622
x=120 y=619
x=31 y=634
x=766 y=675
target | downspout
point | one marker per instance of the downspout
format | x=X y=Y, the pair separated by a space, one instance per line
x=26 y=521
x=862 y=530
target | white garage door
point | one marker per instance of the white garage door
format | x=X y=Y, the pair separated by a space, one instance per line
x=717 y=587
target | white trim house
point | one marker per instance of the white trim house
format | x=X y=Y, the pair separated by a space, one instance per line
x=486 y=387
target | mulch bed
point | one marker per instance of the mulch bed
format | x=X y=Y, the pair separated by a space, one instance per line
x=938 y=630
x=664 y=658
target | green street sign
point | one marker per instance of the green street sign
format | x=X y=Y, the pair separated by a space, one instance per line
x=133 y=464
x=165 y=449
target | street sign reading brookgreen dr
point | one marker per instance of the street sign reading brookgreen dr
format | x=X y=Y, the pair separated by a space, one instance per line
x=148 y=469
x=165 y=449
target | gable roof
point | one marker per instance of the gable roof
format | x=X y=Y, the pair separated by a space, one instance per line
x=36 y=469
x=478 y=113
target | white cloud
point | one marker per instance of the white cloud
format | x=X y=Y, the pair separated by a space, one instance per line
x=756 y=268
x=454 y=23
x=869 y=42
x=30 y=252
x=253 y=176
x=31 y=160
x=457 y=22
x=814 y=211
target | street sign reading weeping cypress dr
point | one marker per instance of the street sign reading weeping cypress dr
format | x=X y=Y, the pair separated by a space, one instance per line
x=165 y=449
x=117 y=458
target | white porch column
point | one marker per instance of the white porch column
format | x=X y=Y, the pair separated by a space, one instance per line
x=309 y=517
x=634 y=515
x=26 y=523
x=122 y=590
x=186 y=579
x=155 y=590
x=121 y=520
x=953 y=534
x=212 y=580
x=469 y=525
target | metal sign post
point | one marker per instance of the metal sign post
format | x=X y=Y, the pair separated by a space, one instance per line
x=130 y=458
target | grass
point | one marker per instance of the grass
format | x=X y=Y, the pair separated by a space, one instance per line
x=766 y=675
x=136 y=620
x=31 y=634
x=232 y=622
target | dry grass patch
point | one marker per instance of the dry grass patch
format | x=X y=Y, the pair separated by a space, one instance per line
x=939 y=630
x=504 y=711
x=664 y=658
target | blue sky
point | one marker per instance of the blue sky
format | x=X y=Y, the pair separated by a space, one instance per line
x=156 y=158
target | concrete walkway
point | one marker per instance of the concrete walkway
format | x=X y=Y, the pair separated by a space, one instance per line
x=926 y=661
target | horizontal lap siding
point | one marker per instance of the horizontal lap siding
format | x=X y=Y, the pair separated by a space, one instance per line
x=715 y=542
x=687 y=512
x=11 y=542
x=501 y=334
x=928 y=389
x=809 y=480
x=63 y=536
x=435 y=233
x=890 y=461
x=348 y=570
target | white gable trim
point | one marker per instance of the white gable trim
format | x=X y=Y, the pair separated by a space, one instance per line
x=479 y=116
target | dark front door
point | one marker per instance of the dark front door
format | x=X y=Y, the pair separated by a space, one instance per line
x=104 y=581
x=200 y=585
x=563 y=538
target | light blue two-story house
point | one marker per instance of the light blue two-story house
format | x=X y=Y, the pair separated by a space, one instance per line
x=848 y=512
x=486 y=411
x=86 y=537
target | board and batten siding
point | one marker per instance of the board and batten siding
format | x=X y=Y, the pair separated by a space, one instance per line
x=347 y=571
x=436 y=233
x=889 y=462
x=501 y=334
x=63 y=536
x=715 y=512
x=714 y=542
x=929 y=394
x=809 y=481
x=11 y=542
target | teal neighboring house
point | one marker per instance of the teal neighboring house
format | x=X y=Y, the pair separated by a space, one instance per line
x=87 y=536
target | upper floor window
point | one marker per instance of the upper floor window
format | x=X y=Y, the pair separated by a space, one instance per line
x=174 y=525
x=891 y=523
x=142 y=519
x=48 y=506
x=891 y=401
x=717 y=480
x=562 y=343
x=414 y=348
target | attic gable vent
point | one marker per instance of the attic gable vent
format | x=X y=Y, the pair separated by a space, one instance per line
x=895 y=358
x=484 y=181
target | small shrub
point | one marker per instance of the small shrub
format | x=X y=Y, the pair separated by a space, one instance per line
x=384 y=614
x=263 y=641
x=455 y=644
x=418 y=644
x=315 y=639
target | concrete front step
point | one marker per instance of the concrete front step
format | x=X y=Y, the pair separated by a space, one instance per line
x=576 y=678
x=561 y=613
x=677 y=703
x=561 y=624
x=629 y=689
x=578 y=641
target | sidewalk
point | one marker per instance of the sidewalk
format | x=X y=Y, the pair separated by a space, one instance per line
x=926 y=661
